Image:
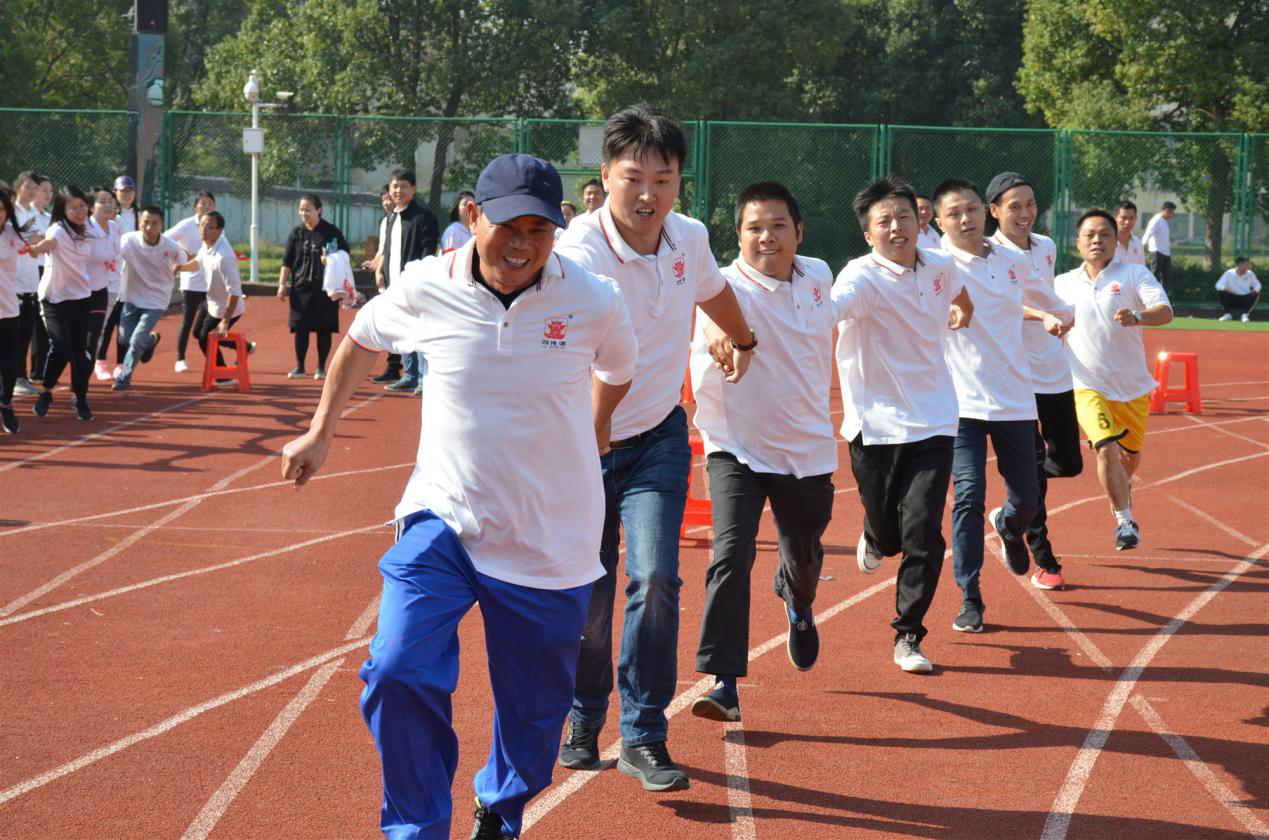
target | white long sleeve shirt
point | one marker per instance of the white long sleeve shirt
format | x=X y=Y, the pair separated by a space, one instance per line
x=1158 y=236
x=1238 y=284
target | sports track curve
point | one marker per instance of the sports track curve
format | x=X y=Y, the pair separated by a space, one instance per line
x=223 y=703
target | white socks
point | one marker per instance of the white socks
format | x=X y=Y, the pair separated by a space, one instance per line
x=1125 y=515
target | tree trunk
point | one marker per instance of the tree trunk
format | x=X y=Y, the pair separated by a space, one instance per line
x=1218 y=194
x=444 y=139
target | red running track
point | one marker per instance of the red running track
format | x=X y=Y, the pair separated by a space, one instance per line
x=181 y=632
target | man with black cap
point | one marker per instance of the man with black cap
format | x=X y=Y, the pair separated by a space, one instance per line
x=505 y=505
x=1013 y=210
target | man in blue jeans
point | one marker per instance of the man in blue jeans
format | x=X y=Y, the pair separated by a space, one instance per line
x=992 y=375
x=505 y=504
x=663 y=264
x=148 y=257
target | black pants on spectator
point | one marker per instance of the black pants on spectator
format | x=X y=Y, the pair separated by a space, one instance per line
x=1160 y=266
x=802 y=508
x=191 y=306
x=301 y=346
x=97 y=305
x=31 y=334
x=112 y=328
x=903 y=487
x=10 y=357
x=1057 y=455
x=1237 y=304
x=67 y=325
x=204 y=325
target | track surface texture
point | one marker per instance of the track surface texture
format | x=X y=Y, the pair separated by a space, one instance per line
x=181 y=633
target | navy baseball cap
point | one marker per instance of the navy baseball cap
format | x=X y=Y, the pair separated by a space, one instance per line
x=125 y=182
x=1003 y=183
x=520 y=185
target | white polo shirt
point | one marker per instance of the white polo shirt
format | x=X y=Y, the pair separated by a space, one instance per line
x=10 y=245
x=1133 y=252
x=66 y=274
x=1107 y=357
x=661 y=291
x=775 y=419
x=394 y=250
x=507 y=454
x=32 y=222
x=103 y=268
x=147 y=270
x=1050 y=370
x=896 y=386
x=1158 y=236
x=929 y=238
x=456 y=236
x=185 y=233
x=220 y=267
x=1237 y=284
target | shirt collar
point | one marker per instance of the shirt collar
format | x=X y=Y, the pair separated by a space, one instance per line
x=460 y=265
x=1113 y=266
x=670 y=235
x=894 y=267
x=965 y=257
x=764 y=281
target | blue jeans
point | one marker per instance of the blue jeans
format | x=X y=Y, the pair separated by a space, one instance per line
x=135 y=325
x=645 y=489
x=531 y=640
x=413 y=366
x=1014 y=442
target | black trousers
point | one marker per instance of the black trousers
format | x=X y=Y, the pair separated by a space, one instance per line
x=97 y=305
x=204 y=325
x=10 y=357
x=32 y=334
x=301 y=346
x=903 y=487
x=802 y=508
x=67 y=325
x=1057 y=455
x=1237 y=304
x=191 y=306
x=1160 y=267
x=112 y=328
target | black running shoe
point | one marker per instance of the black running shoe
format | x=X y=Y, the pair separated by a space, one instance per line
x=488 y=825
x=82 y=411
x=387 y=376
x=1013 y=550
x=42 y=402
x=804 y=642
x=9 y=420
x=1126 y=536
x=581 y=748
x=970 y=620
x=155 y=338
x=719 y=703
x=651 y=765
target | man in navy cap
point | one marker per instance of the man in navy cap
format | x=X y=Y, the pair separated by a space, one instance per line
x=506 y=503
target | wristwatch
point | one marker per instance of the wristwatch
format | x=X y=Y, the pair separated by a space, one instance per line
x=745 y=348
x=1136 y=314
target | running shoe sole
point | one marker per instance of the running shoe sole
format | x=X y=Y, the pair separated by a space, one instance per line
x=710 y=709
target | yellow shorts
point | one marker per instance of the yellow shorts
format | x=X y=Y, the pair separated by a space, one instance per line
x=1105 y=420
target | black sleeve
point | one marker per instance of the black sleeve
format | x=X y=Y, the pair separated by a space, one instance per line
x=340 y=242
x=290 y=257
x=427 y=235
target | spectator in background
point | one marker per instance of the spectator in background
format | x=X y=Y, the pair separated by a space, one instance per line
x=569 y=209
x=1158 y=242
x=593 y=195
x=312 y=310
x=193 y=284
x=1128 y=247
x=32 y=221
x=457 y=234
x=411 y=234
x=223 y=303
x=1238 y=290
x=12 y=244
x=103 y=267
x=393 y=371
x=125 y=192
x=927 y=237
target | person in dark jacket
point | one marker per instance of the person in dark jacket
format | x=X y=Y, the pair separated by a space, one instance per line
x=411 y=233
x=312 y=310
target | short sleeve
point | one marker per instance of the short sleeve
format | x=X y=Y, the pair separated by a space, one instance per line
x=853 y=295
x=291 y=256
x=390 y=320
x=710 y=281
x=1149 y=290
x=618 y=348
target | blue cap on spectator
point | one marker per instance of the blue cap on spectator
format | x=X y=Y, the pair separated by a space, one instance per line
x=125 y=182
x=520 y=185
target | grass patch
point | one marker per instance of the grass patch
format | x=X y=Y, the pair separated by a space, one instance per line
x=1211 y=323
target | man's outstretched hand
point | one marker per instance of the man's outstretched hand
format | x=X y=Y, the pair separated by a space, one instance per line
x=303 y=457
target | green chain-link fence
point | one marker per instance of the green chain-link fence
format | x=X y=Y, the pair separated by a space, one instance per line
x=1220 y=181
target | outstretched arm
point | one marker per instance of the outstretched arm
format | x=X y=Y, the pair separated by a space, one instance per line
x=304 y=456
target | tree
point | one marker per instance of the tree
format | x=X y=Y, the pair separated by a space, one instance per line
x=64 y=53
x=1187 y=66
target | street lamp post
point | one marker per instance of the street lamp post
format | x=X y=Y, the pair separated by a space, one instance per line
x=253 y=144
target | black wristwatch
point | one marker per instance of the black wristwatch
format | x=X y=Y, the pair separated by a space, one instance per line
x=745 y=348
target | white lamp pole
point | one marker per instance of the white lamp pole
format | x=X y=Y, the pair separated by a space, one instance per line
x=253 y=143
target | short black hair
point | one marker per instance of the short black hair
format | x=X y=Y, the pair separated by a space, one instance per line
x=1096 y=214
x=313 y=199
x=926 y=197
x=1241 y=258
x=403 y=174
x=458 y=200
x=152 y=210
x=767 y=191
x=215 y=216
x=952 y=185
x=1126 y=205
x=593 y=182
x=891 y=186
x=1168 y=205
x=643 y=128
x=204 y=194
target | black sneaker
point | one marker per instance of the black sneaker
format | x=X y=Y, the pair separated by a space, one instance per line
x=155 y=338
x=42 y=402
x=804 y=642
x=251 y=347
x=387 y=376
x=121 y=384
x=1013 y=550
x=297 y=373
x=580 y=750
x=1126 y=535
x=488 y=825
x=651 y=765
x=720 y=703
x=403 y=384
x=320 y=373
x=970 y=620
x=82 y=411
x=9 y=420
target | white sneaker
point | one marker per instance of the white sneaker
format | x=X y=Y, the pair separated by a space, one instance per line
x=102 y=371
x=1246 y=317
x=908 y=655
x=23 y=387
x=1226 y=317
x=180 y=366
x=869 y=560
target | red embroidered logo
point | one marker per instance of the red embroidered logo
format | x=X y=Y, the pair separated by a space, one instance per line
x=679 y=268
x=815 y=293
x=938 y=284
x=1013 y=275
x=1050 y=259
x=555 y=328
x=1114 y=288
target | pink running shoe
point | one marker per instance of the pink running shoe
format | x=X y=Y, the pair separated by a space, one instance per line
x=1044 y=579
x=102 y=371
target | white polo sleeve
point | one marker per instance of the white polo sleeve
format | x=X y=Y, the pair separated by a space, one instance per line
x=391 y=320
x=229 y=270
x=617 y=350
x=1149 y=291
x=1038 y=294
x=854 y=294
x=710 y=281
x=1223 y=283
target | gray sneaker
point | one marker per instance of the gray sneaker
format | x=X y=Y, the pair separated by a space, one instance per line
x=22 y=387
x=908 y=655
x=651 y=765
x=580 y=750
x=867 y=557
x=970 y=620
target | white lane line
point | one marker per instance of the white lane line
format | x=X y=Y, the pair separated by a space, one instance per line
x=1202 y=424
x=176 y=720
x=1247 y=382
x=574 y=782
x=1225 y=431
x=1059 y=819
x=1218 y=789
x=1206 y=467
x=1212 y=520
x=133 y=587
x=739 y=802
x=215 y=808
x=104 y=433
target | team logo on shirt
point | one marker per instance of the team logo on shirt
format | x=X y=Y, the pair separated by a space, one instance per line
x=819 y=298
x=1013 y=277
x=938 y=284
x=1114 y=288
x=554 y=331
x=1050 y=259
x=680 y=268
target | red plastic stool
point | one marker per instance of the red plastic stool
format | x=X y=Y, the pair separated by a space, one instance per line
x=1162 y=394
x=213 y=371
x=699 y=511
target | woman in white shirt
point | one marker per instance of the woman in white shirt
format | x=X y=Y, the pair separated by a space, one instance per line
x=33 y=222
x=457 y=234
x=104 y=268
x=127 y=217
x=12 y=245
x=65 y=298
